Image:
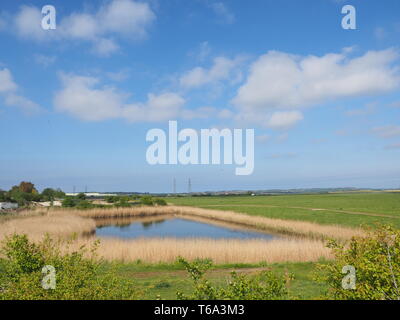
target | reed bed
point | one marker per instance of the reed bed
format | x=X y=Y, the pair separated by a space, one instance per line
x=220 y=251
x=58 y=226
x=64 y=222
x=286 y=227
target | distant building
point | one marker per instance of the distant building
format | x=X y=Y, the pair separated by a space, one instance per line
x=91 y=194
x=8 y=205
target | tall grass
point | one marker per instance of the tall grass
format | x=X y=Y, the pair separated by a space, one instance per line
x=221 y=251
x=288 y=227
x=63 y=222
x=37 y=226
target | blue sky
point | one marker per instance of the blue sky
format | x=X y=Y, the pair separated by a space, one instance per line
x=76 y=102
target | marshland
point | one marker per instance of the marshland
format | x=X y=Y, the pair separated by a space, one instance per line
x=241 y=233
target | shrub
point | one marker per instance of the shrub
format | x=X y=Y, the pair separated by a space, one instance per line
x=68 y=202
x=160 y=202
x=147 y=200
x=376 y=259
x=263 y=286
x=79 y=274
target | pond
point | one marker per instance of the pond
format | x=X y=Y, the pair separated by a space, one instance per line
x=176 y=227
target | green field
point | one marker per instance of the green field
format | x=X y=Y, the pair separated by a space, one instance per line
x=165 y=280
x=349 y=209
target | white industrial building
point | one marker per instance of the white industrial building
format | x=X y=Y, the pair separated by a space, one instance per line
x=8 y=205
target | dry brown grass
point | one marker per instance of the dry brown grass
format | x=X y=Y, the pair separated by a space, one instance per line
x=287 y=227
x=220 y=251
x=37 y=226
x=66 y=221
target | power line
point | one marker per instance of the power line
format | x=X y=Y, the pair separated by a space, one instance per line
x=174 y=185
x=189 y=186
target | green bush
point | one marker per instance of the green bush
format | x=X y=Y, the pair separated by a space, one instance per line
x=147 y=200
x=79 y=274
x=263 y=286
x=376 y=259
x=160 y=202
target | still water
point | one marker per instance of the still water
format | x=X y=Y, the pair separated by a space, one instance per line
x=177 y=228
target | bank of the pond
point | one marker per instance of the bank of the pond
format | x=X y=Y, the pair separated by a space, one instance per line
x=286 y=227
x=304 y=241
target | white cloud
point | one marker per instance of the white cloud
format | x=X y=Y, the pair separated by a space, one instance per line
x=224 y=14
x=163 y=107
x=105 y=47
x=222 y=69
x=284 y=119
x=28 y=23
x=7 y=83
x=127 y=18
x=80 y=98
x=389 y=131
x=9 y=91
x=84 y=98
x=280 y=81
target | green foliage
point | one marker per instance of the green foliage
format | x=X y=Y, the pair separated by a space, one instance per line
x=84 y=204
x=68 y=202
x=263 y=286
x=146 y=200
x=112 y=199
x=376 y=260
x=79 y=274
x=50 y=194
x=160 y=202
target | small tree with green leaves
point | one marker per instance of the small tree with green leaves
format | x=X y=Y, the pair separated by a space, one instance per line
x=376 y=261
x=80 y=274
x=263 y=286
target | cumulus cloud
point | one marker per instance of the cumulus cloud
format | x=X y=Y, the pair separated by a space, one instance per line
x=86 y=99
x=281 y=81
x=221 y=69
x=9 y=92
x=284 y=120
x=126 y=18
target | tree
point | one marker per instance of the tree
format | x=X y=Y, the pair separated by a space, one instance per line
x=50 y=194
x=375 y=261
x=27 y=187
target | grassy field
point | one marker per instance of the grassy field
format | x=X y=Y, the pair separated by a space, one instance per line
x=347 y=209
x=164 y=280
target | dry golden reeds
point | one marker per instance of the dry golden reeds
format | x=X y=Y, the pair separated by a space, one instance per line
x=287 y=227
x=221 y=251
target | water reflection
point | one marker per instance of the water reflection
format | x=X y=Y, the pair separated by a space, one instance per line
x=175 y=227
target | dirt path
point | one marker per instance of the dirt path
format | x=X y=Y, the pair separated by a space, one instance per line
x=305 y=208
x=180 y=273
